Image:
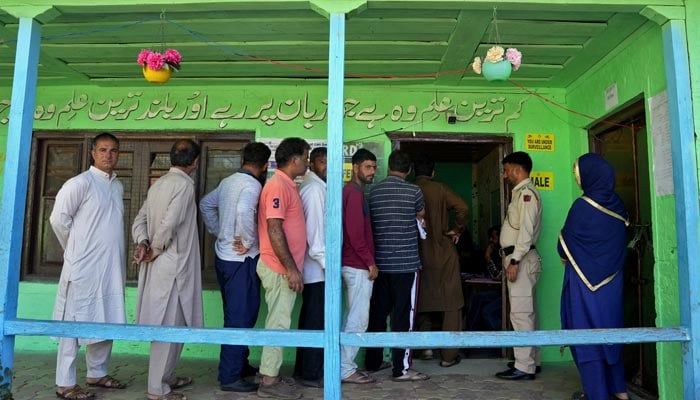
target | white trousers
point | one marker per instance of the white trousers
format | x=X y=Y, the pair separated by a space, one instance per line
x=96 y=356
x=358 y=291
x=164 y=355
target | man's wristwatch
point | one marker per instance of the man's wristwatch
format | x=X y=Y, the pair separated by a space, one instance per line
x=513 y=261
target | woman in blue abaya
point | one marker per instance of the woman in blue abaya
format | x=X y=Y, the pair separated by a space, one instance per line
x=592 y=247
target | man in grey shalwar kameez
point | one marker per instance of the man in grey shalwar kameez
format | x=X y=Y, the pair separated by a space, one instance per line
x=88 y=221
x=170 y=284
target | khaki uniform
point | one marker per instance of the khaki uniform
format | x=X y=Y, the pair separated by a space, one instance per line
x=521 y=229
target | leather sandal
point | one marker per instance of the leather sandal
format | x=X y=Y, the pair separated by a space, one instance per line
x=180 y=381
x=108 y=382
x=75 y=393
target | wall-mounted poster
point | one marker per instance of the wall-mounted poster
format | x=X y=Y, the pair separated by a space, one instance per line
x=349 y=148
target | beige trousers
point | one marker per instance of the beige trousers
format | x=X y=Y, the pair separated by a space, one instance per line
x=523 y=310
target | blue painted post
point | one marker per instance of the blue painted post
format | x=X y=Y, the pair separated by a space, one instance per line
x=686 y=191
x=14 y=194
x=336 y=70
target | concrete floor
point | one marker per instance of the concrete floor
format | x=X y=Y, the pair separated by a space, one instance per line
x=471 y=379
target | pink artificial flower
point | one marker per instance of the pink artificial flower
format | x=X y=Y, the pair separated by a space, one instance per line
x=143 y=56
x=172 y=56
x=515 y=57
x=155 y=61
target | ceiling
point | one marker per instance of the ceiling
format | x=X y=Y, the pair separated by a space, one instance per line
x=423 y=42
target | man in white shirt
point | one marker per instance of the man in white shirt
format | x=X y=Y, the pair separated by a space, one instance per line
x=309 y=361
x=230 y=213
x=88 y=221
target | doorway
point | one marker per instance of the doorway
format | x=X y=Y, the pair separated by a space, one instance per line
x=625 y=145
x=471 y=166
x=143 y=158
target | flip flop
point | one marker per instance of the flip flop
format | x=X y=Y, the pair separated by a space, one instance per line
x=411 y=376
x=180 y=381
x=359 y=378
x=108 y=382
x=75 y=393
x=448 y=364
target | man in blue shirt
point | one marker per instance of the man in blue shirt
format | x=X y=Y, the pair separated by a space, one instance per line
x=230 y=213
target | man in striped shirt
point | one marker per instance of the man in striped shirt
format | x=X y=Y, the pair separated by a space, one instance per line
x=396 y=206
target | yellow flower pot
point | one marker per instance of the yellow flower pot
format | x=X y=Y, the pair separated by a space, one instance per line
x=157 y=76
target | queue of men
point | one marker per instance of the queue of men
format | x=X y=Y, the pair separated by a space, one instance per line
x=272 y=234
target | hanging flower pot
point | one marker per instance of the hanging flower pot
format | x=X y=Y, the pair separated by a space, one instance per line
x=498 y=63
x=157 y=67
x=157 y=75
x=498 y=71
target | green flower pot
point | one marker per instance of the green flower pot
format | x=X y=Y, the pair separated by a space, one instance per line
x=498 y=71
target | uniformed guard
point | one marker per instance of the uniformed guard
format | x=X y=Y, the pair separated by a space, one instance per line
x=521 y=261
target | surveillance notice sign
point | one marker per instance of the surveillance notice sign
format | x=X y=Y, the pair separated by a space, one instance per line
x=539 y=142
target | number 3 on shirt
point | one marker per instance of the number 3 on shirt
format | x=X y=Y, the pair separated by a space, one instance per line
x=276 y=202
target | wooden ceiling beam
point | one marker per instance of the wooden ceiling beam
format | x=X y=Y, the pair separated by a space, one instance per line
x=462 y=45
x=619 y=26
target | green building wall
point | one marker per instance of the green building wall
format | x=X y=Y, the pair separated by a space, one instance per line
x=276 y=111
x=638 y=70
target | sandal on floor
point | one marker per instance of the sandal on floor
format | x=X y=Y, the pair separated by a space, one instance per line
x=180 y=381
x=448 y=364
x=359 y=378
x=411 y=376
x=108 y=382
x=168 y=396
x=75 y=393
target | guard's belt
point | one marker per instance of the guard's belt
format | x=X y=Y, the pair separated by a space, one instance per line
x=506 y=251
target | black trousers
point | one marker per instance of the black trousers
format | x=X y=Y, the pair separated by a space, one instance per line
x=309 y=362
x=394 y=295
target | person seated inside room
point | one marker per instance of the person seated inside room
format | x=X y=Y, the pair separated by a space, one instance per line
x=485 y=304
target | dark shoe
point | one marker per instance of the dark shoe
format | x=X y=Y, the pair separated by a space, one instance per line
x=282 y=389
x=511 y=365
x=515 y=374
x=579 y=396
x=383 y=365
x=240 y=386
x=312 y=383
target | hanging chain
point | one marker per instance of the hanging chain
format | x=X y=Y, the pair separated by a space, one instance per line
x=162 y=31
x=494 y=28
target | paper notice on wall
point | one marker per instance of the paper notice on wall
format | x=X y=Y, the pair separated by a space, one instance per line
x=349 y=148
x=661 y=140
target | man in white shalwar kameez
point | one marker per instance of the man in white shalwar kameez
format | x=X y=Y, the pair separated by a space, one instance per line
x=87 y=219
x=170 y=283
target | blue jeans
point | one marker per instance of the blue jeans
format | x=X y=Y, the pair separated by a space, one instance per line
x=240 y=293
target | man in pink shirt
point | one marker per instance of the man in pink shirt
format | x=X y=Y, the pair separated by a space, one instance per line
x=282 y=232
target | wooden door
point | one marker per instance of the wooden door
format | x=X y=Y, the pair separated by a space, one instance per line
x=218 y=160
x=627 y=151
x=57 y=161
